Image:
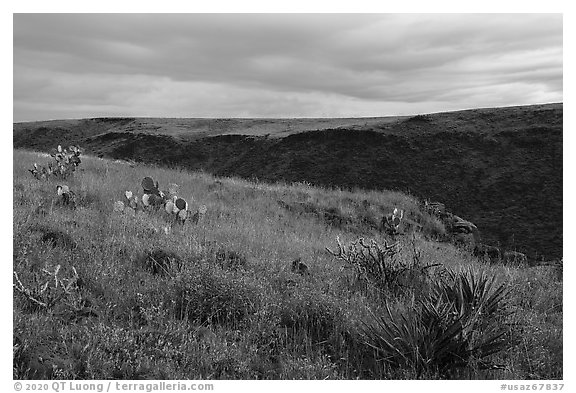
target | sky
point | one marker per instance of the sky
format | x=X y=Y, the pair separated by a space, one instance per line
x=281 y=65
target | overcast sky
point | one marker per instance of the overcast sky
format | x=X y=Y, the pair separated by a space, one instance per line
x=281 y=65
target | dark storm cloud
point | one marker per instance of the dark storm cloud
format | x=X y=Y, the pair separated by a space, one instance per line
x=75 y=65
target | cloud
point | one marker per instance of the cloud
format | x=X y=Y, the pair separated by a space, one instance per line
x=232 y=65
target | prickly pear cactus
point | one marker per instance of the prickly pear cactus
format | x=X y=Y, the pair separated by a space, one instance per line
x=397 y=217
x=134 y=203
x=146 y=200
x=391 y=222
x=66 y=196
x=169 y=207
x=131 y=201
x=148 y=185
x=153 y=199
x=181 y=204
x=64 y=165
x=182 y=215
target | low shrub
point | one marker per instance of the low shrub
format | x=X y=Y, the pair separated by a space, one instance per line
x=59 y=239
x=230 y=259
x=160 y=261
x=310 y=313
x=216 y=297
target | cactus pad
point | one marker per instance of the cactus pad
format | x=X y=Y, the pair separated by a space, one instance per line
x=182 y=215
x=169 y=207
x=145 y=199
x=62 y=190
x=181 y=204
x=128 y=195
x=148 y=184
x=155 y=200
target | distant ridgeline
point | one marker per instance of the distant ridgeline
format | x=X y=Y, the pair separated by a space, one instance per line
x=500 y=168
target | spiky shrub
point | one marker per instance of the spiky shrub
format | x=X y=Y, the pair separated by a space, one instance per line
x=458 y=325
x=378 y=264
x=64 y=165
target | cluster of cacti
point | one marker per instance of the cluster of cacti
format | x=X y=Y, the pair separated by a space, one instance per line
x=155 y=199
x=66 y=161
x=391 y=222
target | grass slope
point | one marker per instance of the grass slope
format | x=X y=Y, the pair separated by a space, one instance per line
x=225 y=303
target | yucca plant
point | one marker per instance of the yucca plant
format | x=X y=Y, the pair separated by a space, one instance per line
x=457 y=325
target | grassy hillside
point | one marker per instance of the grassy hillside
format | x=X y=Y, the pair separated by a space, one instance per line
x=501 y=168
x=104 y=295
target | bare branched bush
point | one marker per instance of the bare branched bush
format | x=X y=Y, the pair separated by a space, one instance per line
x=378 y=264
x=48 y=291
